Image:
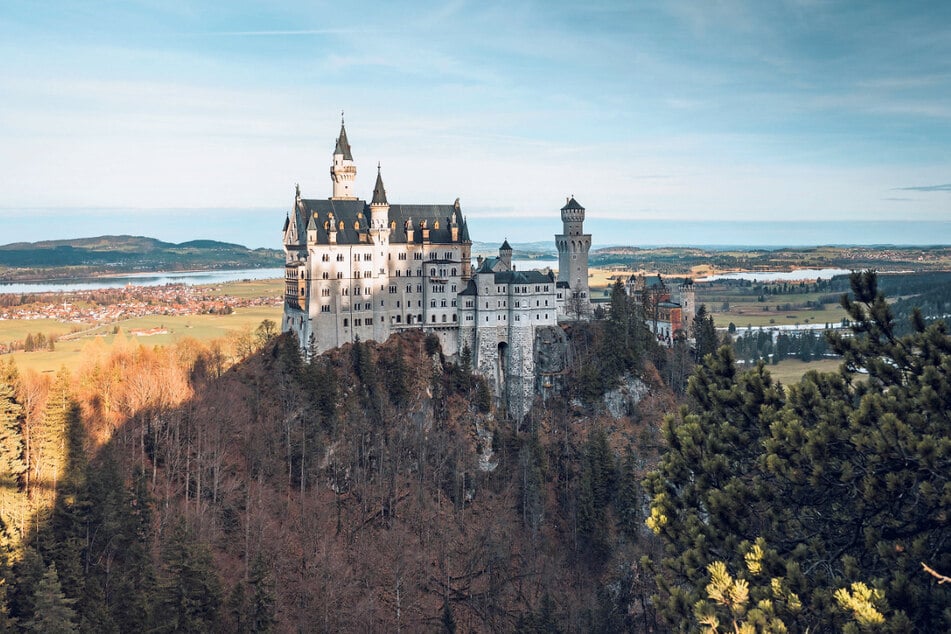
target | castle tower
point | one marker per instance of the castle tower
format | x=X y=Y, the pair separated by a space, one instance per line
x=573 y=245
x=505 y=255
x=343 y=171
x=379 y=212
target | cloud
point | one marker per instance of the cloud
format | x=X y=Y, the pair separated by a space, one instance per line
x=901 y=200
x=946 y=187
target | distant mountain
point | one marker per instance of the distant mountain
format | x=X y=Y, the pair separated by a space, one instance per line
x=122 y=254
x=520 y=250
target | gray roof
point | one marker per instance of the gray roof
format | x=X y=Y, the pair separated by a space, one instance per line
x=355 y=218
x=572 y=204
x=379 y=193
x=524 y=277
x=343 y=146
x=505 y=246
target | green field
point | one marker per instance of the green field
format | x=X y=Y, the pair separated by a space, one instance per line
x=790 y=371
x=250 y=288
x=743 y=315
x=201 y=327
x=17 y=329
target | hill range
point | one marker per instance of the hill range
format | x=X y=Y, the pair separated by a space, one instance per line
x=104 y=255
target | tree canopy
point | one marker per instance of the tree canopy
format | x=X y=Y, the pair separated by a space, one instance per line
x=843 y=476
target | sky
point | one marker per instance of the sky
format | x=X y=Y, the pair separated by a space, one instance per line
x=180 y=119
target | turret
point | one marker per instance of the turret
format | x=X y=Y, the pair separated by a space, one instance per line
x=343 y=171
x=379 y=211
x=505 y=254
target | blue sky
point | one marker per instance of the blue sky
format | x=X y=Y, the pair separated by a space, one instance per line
x=673 y=111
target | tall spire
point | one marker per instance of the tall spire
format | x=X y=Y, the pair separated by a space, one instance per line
x=379 y=193
x=343 y=171
x=343 y=146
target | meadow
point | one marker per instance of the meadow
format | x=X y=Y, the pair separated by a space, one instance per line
x=75 y=337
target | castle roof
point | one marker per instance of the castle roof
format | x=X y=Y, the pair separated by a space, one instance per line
x=351 y=220
x=379 y=193
x=524 y=277
x=343 y=146
x=505 y=246
x=572 y=204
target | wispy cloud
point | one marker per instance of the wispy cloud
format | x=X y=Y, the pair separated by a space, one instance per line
x=946 y=187
x=900 y=200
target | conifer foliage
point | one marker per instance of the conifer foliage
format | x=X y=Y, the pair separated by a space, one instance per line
x=845 y=476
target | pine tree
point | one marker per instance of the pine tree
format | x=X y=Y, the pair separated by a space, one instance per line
x=845 y=475
x=190 y=594
x=12 y=464
x=53 y=612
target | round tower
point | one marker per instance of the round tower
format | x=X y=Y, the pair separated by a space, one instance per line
x=343 y=171
x=573 y=245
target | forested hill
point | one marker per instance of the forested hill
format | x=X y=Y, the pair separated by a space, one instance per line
x=123 y=254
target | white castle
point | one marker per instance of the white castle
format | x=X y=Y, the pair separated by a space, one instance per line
x=359 y=270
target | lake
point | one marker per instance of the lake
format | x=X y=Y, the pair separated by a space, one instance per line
x=778 y=276
x=191 y=278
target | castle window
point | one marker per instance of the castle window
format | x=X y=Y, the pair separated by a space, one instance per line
x=453 y=288
x=399 y=319
x=436 y=225
x=546 y=288
x=453 y=271
x=453 y=318
x=419 y=272
x=381 y=319
x=487 y=317
x=325 y=292
x=381 y=270
x=325 y=257
x=409 y=273
x=453 y=303
x=469 y=303
x=432 y=256
x=325 y=275
x=302 y=273
x=442 y=303
x=366 y=274
x=419 y=288
x=402 y=256
x=443 y=319
x=432 y=272
x=356 y=290
x=392 y=288
x=546 y=302
x=537 y=303
x=340 y=257
x=325 y=309
x=356 y=257
x=432 y=303
x=367 y=257
x=559 y=295
x=409 y=288
x=339 y=275
x=417 y=256
x=517 y=319
x=344 y=291
x=367 y=306
x=357 y=322
x=398 y=273
x=346 y=322
x=434 y=319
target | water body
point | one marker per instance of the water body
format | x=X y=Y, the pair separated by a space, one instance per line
x=778 y=276
x=190 y=278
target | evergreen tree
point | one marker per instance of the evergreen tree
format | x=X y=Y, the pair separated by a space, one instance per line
x=12 y=464
x=704 y=332
x=53 y=612
x=845 y=475
x=190 y=594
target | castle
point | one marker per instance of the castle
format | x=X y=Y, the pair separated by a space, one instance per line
x=366 y=270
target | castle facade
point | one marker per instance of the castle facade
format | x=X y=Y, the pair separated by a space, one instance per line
x=358 y=269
